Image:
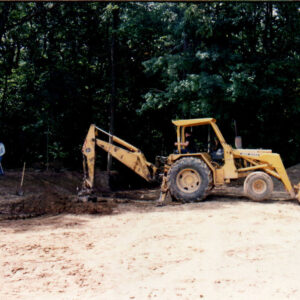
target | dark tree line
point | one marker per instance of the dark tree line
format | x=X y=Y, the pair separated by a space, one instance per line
x=66 y=65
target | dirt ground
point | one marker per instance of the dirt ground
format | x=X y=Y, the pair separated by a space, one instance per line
x=226 y=247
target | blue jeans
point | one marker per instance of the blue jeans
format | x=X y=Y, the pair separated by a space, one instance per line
x=1 y=169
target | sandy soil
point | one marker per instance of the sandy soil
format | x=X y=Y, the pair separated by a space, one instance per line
x=217 y=249
x=223 y=248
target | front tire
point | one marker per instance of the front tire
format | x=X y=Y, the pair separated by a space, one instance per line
x=189 y=179
x=258 y=186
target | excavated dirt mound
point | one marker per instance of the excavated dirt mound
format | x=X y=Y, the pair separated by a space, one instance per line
x=294 y=175
x=45 y=193
x=54 y=193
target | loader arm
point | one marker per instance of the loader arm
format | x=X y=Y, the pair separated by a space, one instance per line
x=127 y=154
x=269 y=162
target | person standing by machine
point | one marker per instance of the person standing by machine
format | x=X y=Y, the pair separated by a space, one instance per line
x=2 y=152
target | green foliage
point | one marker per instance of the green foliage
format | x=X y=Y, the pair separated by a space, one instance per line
x=231 y=61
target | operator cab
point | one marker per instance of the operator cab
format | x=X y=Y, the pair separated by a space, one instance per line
x=204 y=138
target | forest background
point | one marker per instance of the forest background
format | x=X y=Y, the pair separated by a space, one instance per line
x=65 y=65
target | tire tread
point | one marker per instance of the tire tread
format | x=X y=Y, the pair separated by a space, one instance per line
x=192 y=161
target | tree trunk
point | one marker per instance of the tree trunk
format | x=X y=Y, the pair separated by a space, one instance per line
x=113 y=82
x=268 y=27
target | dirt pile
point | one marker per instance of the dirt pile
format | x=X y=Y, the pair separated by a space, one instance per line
x=294 y=175
x=50 y=203
x=37 y=182
x=45 y=193
x=55 y=193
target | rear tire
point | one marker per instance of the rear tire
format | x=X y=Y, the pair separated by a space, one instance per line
x=189 y=179
x=258 y=186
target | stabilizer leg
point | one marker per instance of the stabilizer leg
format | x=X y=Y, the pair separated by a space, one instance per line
x=163 y=192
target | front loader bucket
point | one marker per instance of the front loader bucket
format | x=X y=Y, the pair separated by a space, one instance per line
x=297 y=191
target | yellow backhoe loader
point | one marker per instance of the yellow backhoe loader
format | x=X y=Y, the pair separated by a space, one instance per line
x=188 y=177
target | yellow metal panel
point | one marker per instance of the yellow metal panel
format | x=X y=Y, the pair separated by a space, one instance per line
x=207 y=159
x=204 y=156
x=125 y=144
x=193 y=122
x=230 y=171
x=178 y=140
x=173 y=157
x=183 y=136
x=251 y=152
x=219 y=176
x=297 y=190
x=219 y=135
x=136 y=161
x=253 y=168
x=275 y=167
x=88 y=150
x=275 y=161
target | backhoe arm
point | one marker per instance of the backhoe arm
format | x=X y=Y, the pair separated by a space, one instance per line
x=128 y=154
x=88 y=151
